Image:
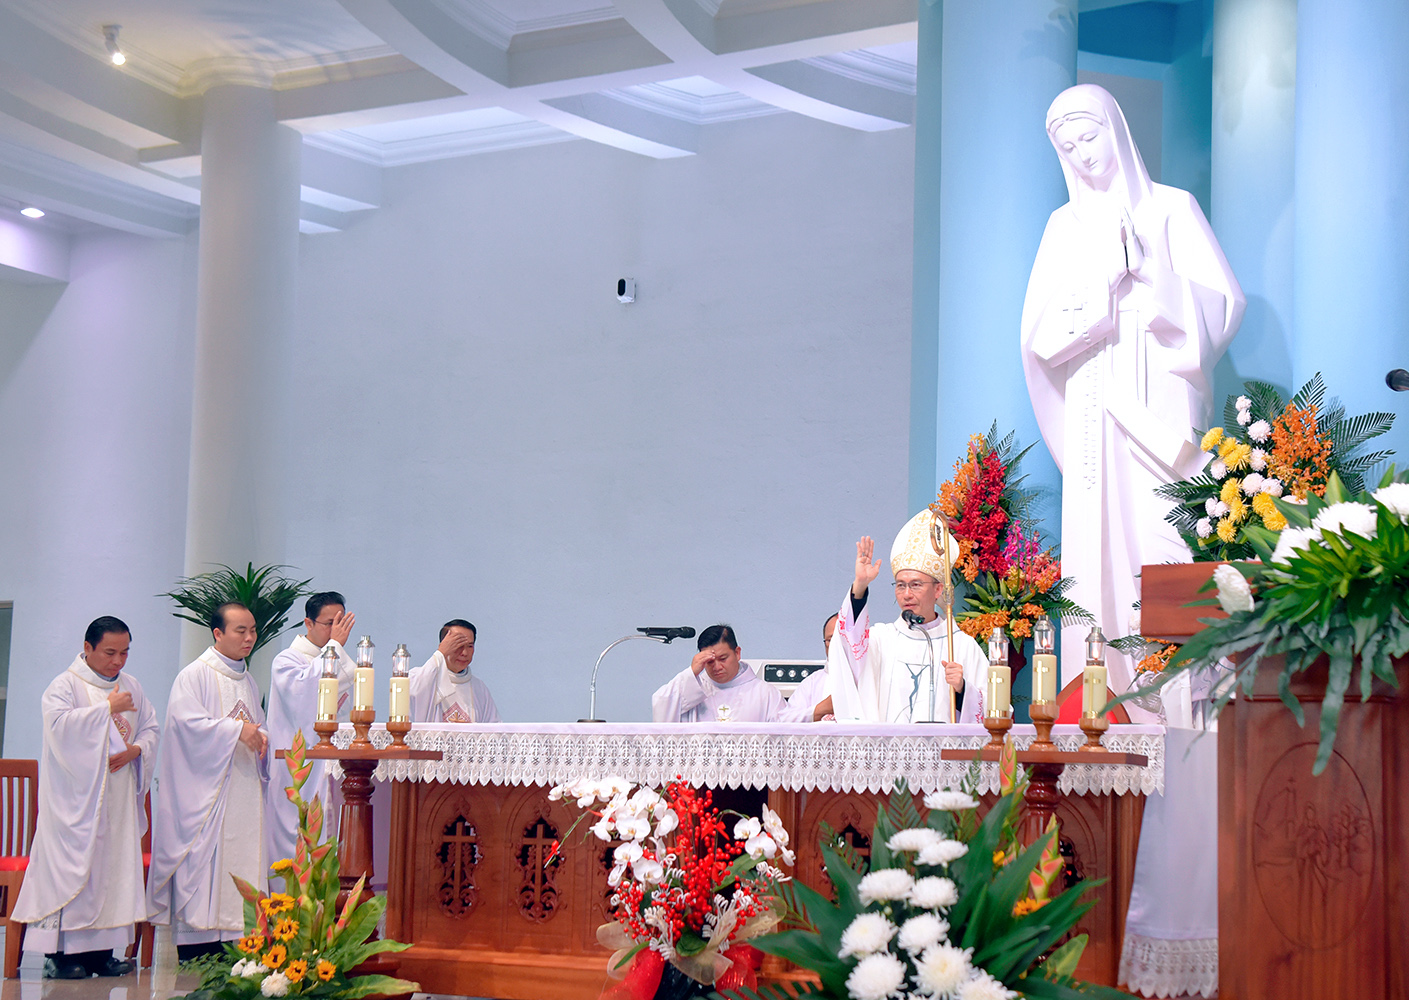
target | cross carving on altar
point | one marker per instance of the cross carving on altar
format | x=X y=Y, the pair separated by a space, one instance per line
x=458 y=836
x=537 y=897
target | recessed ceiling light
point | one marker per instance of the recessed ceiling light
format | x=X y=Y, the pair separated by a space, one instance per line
x=32 y=212
x=110 y=40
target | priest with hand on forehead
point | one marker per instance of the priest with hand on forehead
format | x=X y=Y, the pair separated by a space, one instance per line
x=881 y=672
x=443 y=689
x=717 y=686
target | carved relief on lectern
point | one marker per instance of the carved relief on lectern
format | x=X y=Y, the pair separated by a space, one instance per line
x=538 y=860
x=849 y=816
x=457 y=855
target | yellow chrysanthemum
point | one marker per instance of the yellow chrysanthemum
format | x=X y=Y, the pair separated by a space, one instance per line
x=1262 y=505
x=274 y=957
x=250 y=945
x=1239 y=456
x=1274 y=520
x=1211 y=439
x=326 y=969
x=1237 y=510
x=285 y=930
x=1227 y=530
x=297 y=969
x=1232 y=489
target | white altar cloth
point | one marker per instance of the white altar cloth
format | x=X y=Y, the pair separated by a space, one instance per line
x=843 y=756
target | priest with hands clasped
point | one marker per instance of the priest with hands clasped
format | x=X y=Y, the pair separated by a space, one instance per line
x=83 y=889
x=881 y=672
x=293 y=705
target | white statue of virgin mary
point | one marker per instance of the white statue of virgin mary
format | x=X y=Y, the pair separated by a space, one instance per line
x=1130 y=305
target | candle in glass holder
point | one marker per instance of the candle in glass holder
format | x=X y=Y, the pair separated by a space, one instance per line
x=998 y=694
x=363 y=677
x=400 y=684
x=1044 y=662
x=328 y=686
x=1093 y=679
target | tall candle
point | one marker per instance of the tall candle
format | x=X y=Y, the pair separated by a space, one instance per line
x=327 y=698
x=400 y=698
x=362 y=689
x=1044 y=677
x=1093 y=690
x=998 y=699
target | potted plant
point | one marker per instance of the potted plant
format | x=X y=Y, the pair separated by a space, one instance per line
x=267 y=593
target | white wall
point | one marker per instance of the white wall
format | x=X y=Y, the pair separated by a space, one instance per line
x=94 y=422
x=487 y=433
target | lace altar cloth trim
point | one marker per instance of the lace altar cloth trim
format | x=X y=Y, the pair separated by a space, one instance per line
x=850 y=757
x=1156 y=967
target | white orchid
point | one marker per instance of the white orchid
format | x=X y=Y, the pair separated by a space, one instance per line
x=667 y=821
x=773 y=826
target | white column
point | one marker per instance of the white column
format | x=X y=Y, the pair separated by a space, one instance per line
x=244 y=315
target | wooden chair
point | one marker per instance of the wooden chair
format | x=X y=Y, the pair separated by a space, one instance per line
x=19 y=812
x=144 y=934
x=1069 y=706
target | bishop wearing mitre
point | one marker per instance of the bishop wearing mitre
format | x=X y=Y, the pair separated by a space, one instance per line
x=83 y=890
x=208 y=820
x=882 y=672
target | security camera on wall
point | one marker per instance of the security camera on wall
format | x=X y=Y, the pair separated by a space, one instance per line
x=626 y=289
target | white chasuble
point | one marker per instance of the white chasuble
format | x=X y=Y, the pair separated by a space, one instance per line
x=439 y=695
x=881 y=673
x=745 y=698
x=208 y=820
x=293 y=705
x=83 y=888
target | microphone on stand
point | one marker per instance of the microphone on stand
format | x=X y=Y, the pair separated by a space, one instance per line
x=656 y=633
x=1398 y=380
x=912 y=619
x=667 y=634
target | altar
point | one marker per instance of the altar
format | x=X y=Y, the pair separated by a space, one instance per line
x=474 y=885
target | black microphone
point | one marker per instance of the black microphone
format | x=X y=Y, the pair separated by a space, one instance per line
x=912 y=619
x=667 y=634
x=1398 y=380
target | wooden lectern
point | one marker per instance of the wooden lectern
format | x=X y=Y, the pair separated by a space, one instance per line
x=1313 y=894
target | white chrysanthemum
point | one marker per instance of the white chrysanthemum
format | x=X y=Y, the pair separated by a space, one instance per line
x=942 y=852
x=1204 y=528
x=1211 y=506
x=1293 y=540
x=1244 y=417
x=950 y=801
x=1339 y=518
x=920 y=932
x=1242 y=403
x=941 y=969
x=885 y=885
x=1134 y=621
x=1252 y=482
x=1260 y=431
x=1395 y=496
x=276 y=984
x=253 y=968
x=1218 y=468
x=876 y=977
x=1272 y=487
x=1220 y=508
x=934 y=893
x=1233 y=590
x=983 y=987
x=868 y=933
x=238 y=969
x=1258 y=460
x=914 y=839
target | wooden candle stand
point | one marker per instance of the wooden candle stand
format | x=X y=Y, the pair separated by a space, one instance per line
x=1093 y=726
x=398 y=729
x=325 y=728
x=1044 y=715
x=362 y=719
x=997 y=726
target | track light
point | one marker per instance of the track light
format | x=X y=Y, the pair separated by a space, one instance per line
x=32 y=212
x=110 y=40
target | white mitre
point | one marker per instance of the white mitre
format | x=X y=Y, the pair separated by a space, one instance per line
x=915 y=548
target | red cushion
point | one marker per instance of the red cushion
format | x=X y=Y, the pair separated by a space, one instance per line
x=14 y=863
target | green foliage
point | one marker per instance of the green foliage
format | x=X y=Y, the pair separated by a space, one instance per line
x=267 y=594
x=1346 y=599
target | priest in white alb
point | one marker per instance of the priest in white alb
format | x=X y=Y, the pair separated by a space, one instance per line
x=83 y=889
x=882 y=672
x=293 y=705
x=717 y=686
x=208 y=818
x=443 y=689
x=810 y=702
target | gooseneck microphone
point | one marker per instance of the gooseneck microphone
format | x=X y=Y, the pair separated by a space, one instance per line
x=656 y=633
x=912 y=619
x=667 y=634
x=1398 y=380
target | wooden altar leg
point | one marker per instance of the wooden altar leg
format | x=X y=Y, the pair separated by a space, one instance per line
x=1041 y=800
x=355 y=829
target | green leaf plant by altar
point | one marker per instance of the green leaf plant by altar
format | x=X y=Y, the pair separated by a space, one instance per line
x=1333 y=583
x=298 y=942
x=264 y=591
x=951 y=908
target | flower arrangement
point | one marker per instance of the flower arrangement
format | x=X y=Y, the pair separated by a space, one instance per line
x=1012 y=580
x=298 y=942
x=1333 y=583
x=687 y=895
x=951 y=907
x=1268 y=448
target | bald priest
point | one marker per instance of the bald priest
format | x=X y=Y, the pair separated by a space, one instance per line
x=717 y=686
x=881 y=672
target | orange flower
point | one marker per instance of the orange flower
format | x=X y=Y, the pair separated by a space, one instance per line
x=274 y=957
x=285 y=930
x=1033 y=610
x=297 y=969
x=1156 y=662
x=326 y=969
x=982 y=626
x=250 y=945
x=1021 y=628
x=1300 y=456
x=1025 y=906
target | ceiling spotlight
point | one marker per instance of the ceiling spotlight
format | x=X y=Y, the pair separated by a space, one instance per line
x=32 y=212
x=110 y=40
